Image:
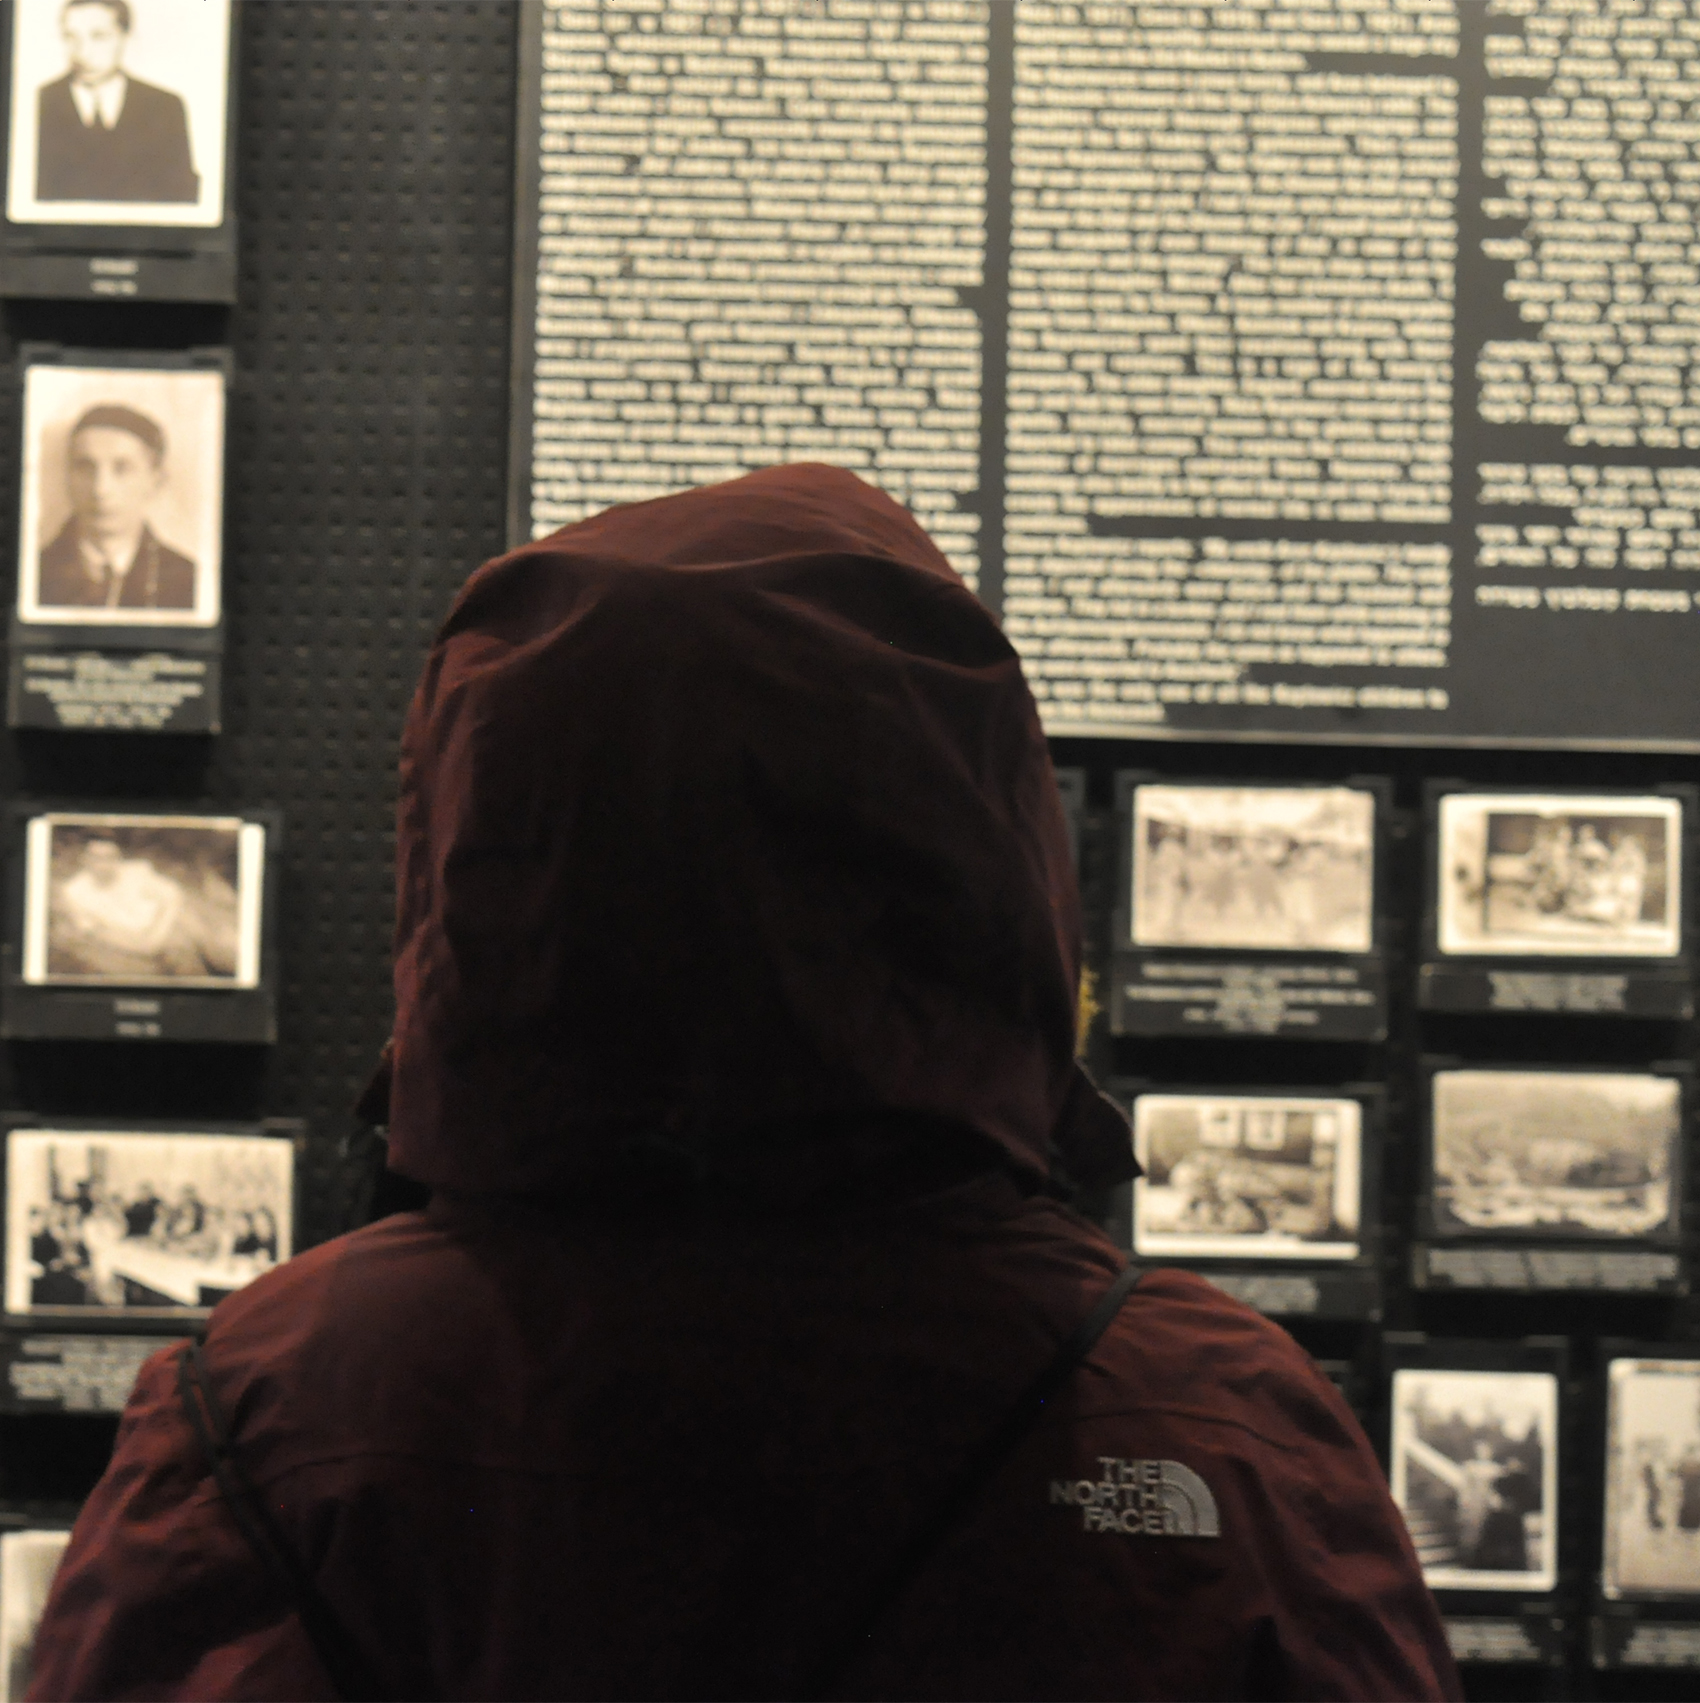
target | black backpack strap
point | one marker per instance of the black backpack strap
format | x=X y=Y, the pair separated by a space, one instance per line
x=347 y=1668
x=982 y=1466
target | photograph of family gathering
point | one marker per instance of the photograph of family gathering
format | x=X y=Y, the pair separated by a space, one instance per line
x=119 y=1222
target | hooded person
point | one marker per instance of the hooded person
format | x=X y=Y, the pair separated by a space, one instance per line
x=736 y=960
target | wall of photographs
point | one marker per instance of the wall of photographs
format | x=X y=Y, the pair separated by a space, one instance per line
x=241 y=496
x=1409 y=1060
x=1409 y=1042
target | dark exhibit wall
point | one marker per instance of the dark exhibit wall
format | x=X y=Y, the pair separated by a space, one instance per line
x=1310 y=391
x=365 y=462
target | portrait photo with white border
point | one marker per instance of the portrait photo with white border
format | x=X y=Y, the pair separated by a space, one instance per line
x=1559 y=876
x=121 y=1223
x=1474 y=1470
x=28 y=1561
x=1652 y=1523
x=142 y=901
x=1247 y=1176
x=121 y=506
x=118 y=113
x=1277 y=869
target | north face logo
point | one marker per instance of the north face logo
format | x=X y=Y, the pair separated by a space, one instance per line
x=1141 y=1498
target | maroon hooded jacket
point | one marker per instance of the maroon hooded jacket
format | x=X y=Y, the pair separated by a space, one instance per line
x=735 y=969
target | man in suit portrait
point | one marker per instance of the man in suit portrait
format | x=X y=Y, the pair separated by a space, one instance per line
x=103 y=135
x=106 y=554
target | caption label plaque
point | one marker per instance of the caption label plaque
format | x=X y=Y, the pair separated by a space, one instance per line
x=1559 y=902
x=1248 y=910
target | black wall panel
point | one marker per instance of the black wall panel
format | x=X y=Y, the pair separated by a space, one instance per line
x=366 y=460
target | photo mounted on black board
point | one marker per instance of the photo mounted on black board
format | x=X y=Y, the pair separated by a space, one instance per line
x=1282 y=869
x=118 y=113
x=1559 y=876
x=1247 y=1177
x=121 y=506
x=108 y=1224
x=142 y=901
x=1562 y=1153
x=1474 y=1471
x=28 y=1561
x=1652 y=1526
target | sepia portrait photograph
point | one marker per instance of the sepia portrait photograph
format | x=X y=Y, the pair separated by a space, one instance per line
x=1559 y=876
x=28 y=1561
x=118 y=112
x=1555 y=1152
x=1247 y=1177
x=109 y=1224
x=1282 y=869
x=143 y=901
x=120 y=515
x=1652 y=1526
x=1475 y=1473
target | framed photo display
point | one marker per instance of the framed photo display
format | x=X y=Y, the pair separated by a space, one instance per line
x=141 y=926
x=1270 y=1193
x=118 y=126
x=29 y=1558
x=1559 y=901
x=1474 y=1433
x=1249 y=909
x=1565 y=1178
x=116 y=1224
x=1651 y=1547
x=117 y=624
x=1474 y=1469
x=1648 y=1610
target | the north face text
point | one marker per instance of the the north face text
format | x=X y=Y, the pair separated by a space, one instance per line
x=1141 y=1499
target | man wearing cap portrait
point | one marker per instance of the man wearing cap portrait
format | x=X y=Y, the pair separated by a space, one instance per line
x=106 y=554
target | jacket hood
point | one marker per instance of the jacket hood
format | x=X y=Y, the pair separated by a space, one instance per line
x=721 y=813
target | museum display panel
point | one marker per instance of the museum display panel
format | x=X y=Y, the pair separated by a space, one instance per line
x=118 y=125
x=117 y=624
x=1274 y=1196
x=1249 y=910
x=141 y=926
x=1310 y=391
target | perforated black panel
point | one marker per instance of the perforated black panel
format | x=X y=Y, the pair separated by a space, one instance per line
x=365 y=480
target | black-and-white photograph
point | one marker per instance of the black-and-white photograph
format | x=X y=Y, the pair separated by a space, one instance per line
x=1247 y=1177
x=1559 y=876
x=28 y=1561
x=1561 y=1153
x=109 y=1224
x=1281 y=869
x=1475 y=1473
x=118 y=112
x=142 y=901
x=1652 y=1525
x=120 y=512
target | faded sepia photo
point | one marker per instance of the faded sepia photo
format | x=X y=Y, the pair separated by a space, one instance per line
x=28 y=1561
x=1247 y=1177
x=121 y=504
x=115 y=1223
x=1652 y=1525
x=143 y=901
x=1474 y=1471
x=1564 y=1153
x=1559 y=876
x=1285 y=869
x=118 y=112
